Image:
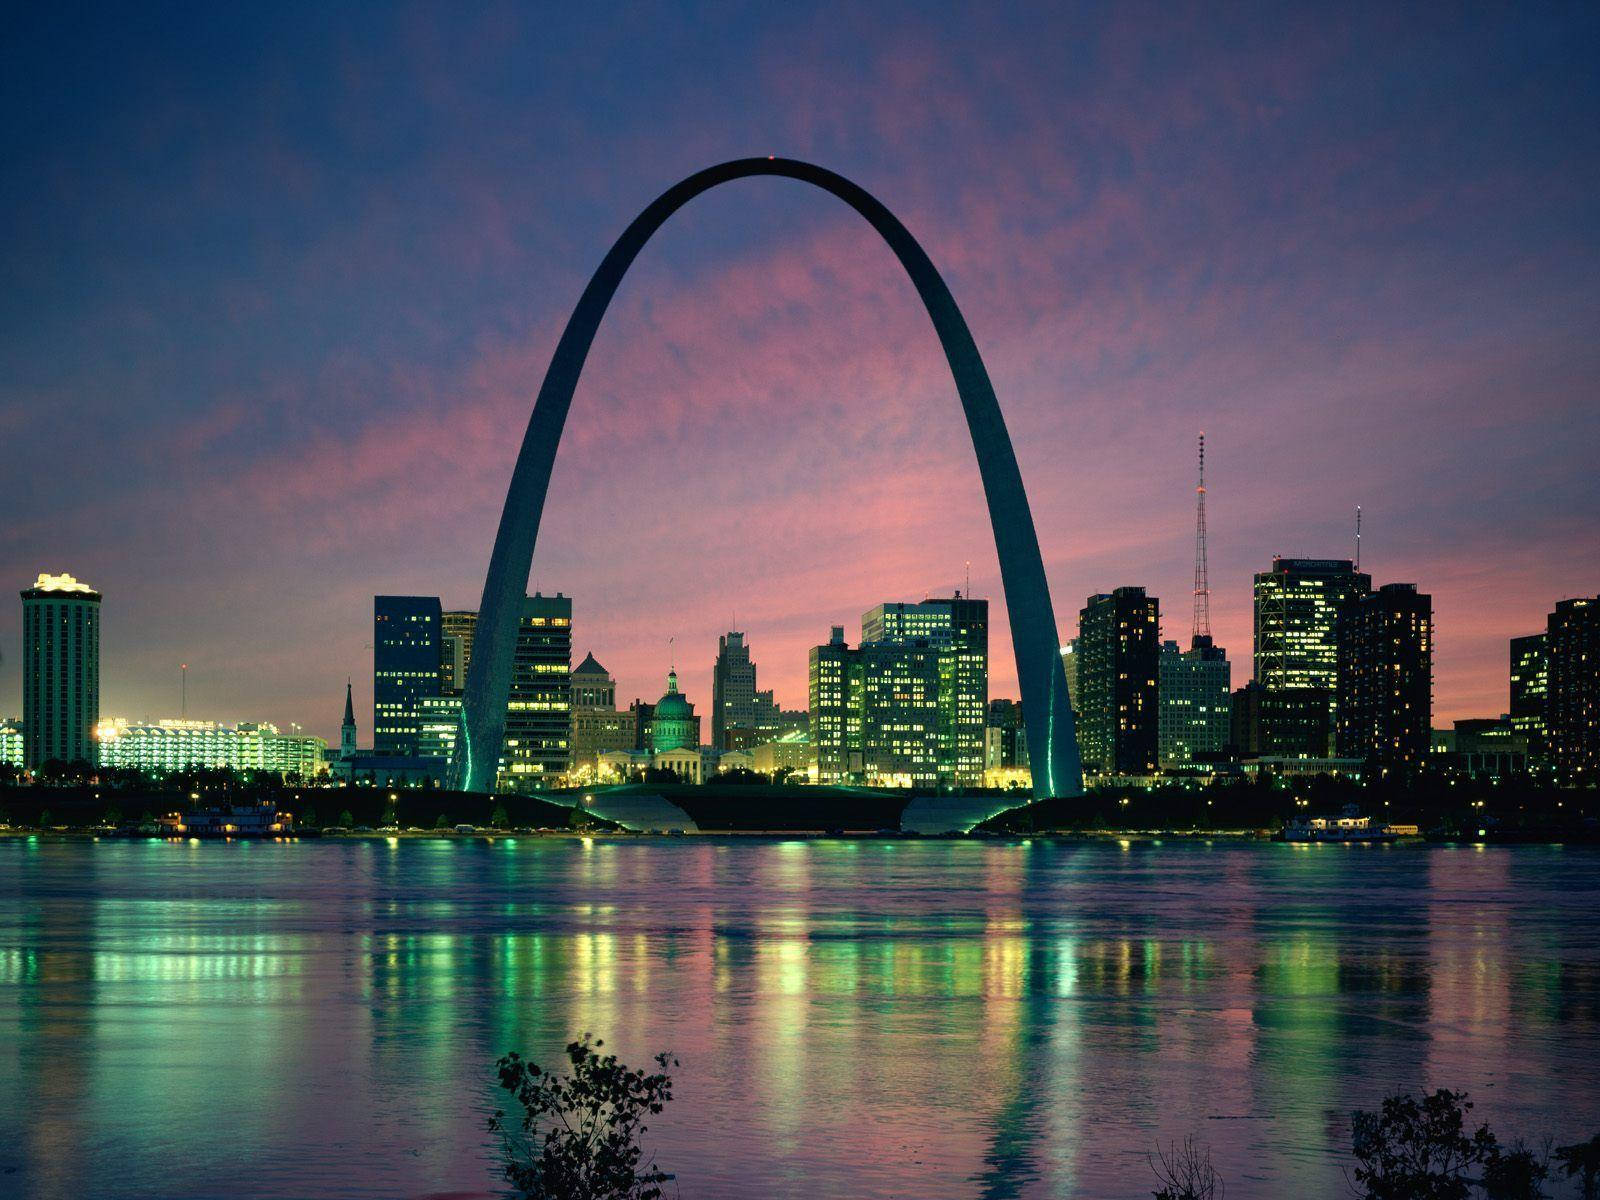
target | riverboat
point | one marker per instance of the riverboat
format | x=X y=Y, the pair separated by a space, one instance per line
x=1351 y=825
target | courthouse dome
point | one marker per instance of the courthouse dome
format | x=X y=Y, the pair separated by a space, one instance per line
x=673 y=725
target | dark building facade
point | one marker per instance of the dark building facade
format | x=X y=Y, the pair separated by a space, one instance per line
x=733 y=693
x=1385 y=684
x=539 y=713
x=405 y=668
x=60 y=670
x=1530 y=688
x=456 y=631
x=1279 y=723
x=1572 y=709
x=1119 y=668
x=1006 y=741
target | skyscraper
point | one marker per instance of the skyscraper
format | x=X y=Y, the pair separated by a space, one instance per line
x=597 y=726
x=60 y=670
x=1572 y=712
x=539 y=712
x=1193 y=695
x=957 y=627
x=733 y=690
x=902 y=696
x=456 y=631
x=1297 y=607
x=1118 y=656
x=1530 y=688
x=835 y=728
x=1385 y=677
x=405 y=667
x=898 y=710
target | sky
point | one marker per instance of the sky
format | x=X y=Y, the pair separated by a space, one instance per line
x=278 y=286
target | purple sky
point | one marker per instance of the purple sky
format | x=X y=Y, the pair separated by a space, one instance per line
x=277 y=289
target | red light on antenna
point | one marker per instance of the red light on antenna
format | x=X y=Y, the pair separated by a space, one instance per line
x=772 y=158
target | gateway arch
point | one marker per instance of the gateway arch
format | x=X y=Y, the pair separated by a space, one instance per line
x=1052 y=745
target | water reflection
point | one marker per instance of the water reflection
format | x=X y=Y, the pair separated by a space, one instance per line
x=854 y=1019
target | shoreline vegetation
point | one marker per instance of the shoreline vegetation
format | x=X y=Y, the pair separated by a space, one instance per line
x=578 y=1134
x=1426 y=808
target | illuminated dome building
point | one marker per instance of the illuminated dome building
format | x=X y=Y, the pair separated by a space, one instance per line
x=674 y=726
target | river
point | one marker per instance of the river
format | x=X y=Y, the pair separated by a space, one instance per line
x=875 y=1018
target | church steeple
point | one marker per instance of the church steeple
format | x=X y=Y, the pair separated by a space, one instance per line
x=347 y=731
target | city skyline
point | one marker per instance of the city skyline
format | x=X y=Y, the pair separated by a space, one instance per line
x=302 y=353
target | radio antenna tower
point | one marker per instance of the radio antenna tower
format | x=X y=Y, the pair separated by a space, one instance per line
x=1201 y=634
x=1358 y=537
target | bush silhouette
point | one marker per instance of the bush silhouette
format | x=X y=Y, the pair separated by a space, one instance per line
x=578 y=1136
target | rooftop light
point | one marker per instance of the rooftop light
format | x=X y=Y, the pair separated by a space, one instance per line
x=60 y=583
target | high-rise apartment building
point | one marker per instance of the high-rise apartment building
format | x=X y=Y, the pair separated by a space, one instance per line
x=1297 y=607
x=1572 y=709
x=1194 y=699
x=1385 y=677
x=1530 y=688
x=1119 y=667
x=405 y=668
x=733 y=692
x=60 y=670
x=539 y=712
x=456 y=632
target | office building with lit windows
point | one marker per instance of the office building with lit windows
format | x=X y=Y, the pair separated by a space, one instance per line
x=438 y=726
x=900 y=696
x=11 y=743
x=835 y=730
x=60 y=670
x=539 y=712
x=1297 y=607
x=405 y=667
x=958 y=627
x=1530 y=688
x=1119 y=667
x=1194 y=699
x=167 y=746
x=1572 y=707
x=908 y=706
x=1384 y=701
